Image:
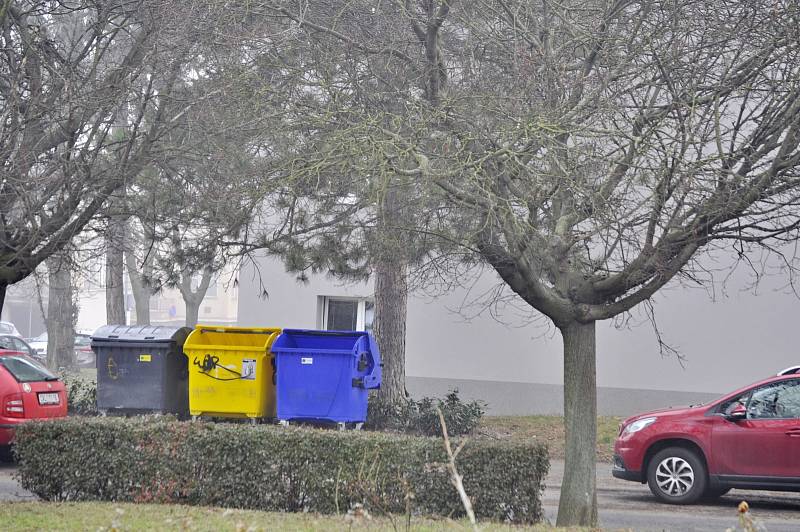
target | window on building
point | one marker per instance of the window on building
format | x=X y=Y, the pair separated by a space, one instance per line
x=347 y=314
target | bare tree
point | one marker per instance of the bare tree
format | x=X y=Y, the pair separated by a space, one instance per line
x=67 y=68
x=587 y=152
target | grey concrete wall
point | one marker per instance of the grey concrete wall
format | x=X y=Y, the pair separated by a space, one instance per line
x=524 y=399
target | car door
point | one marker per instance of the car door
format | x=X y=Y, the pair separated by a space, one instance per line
x=767 y=442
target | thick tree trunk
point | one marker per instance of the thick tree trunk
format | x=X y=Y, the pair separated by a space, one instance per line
x=115 y=293
x=60 y=314
x=192 y=311
x=390 y=266
x=391 y=303
x=577 y=505
x=140 y=289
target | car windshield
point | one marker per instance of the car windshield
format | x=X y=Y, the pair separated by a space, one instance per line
x=81 y=339
x=26 y=370
x=6 y=328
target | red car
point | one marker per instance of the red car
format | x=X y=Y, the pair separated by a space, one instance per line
x=748 y=439
x=27 y=391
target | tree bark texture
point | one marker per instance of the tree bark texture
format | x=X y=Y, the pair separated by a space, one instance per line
x=577 y=505
x=192 y=312
x=115 y=293
x=139 y=287
x=390 y=267
x=61 y=313
x=391 y=303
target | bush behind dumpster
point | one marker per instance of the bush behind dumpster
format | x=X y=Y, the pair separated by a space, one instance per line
x=276 y=469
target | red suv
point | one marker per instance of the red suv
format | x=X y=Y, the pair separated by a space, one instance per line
x=27 y=391
x=748 y=439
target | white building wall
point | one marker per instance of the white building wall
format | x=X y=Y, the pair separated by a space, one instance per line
x=726 y=343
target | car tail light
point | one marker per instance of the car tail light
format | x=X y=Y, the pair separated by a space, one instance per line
x=12 y=406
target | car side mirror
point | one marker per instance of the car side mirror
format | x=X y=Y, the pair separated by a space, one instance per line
x=736 y=412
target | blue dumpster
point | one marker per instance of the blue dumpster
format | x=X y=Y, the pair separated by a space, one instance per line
x=325 y=375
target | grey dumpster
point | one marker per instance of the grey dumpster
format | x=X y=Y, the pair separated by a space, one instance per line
x=141 y=369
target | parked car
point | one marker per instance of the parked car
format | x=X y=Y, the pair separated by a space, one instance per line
x=747 y=439
x=39 y=344
x=15 y=344
x=27 y=391
x=84 y=355
x=6 y=327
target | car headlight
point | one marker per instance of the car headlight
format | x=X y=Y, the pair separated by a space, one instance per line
x=639 y=424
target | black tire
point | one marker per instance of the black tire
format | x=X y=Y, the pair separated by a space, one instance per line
x=681 y=473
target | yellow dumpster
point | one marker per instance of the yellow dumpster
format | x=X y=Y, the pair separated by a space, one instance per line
x=231 y=371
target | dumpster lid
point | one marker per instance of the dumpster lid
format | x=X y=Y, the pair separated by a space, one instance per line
x=141 y=333
x=313 y=332
x=322 y=340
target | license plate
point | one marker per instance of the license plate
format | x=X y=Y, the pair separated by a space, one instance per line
x=49 y=399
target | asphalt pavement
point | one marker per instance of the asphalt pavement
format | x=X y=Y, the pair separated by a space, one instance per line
x=622 y=505
x=10 y=490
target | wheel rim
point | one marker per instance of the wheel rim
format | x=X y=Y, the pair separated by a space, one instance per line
x=674 y=476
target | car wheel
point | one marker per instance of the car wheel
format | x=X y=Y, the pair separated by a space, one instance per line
x=677 y=476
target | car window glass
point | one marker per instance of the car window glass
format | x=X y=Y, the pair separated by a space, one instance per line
x=25 y=370
x=775 y=401
x=5 y=328
x=789 y=400
x=6 y=343
x=19 y=345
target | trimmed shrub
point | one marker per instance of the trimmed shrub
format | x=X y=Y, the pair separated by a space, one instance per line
x=151 y=459
x=420 y=417
x=81 y=394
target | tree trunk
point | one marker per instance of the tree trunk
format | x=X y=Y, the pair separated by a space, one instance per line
x=577 y=505
x=390 y=266
x=391 y=301
x=193 y=299
x=140 y=289
x=60 y=313
x=192 y=311
x=115 y=293
x=3 y=288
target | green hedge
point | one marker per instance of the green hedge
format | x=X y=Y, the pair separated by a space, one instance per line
x=274 y=468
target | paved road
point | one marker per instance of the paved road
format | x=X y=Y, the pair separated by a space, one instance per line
x=10 y=489
x=630 y=505
x=623 y=505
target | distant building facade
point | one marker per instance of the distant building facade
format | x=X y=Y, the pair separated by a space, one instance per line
x=502 y=355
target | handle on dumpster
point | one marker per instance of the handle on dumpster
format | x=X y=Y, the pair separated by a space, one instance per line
x=323 y=333
x=372 y=380
x=236 y=330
